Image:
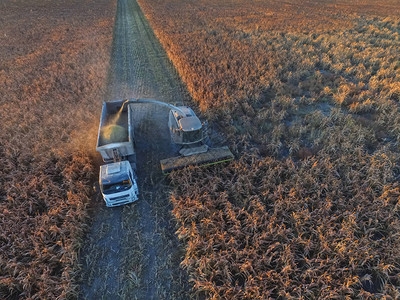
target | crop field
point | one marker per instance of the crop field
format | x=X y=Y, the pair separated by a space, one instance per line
x=307 y=95
x=54 y=57
x=304 y=92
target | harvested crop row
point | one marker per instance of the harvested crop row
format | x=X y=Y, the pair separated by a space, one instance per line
x=308 y=95
x=52 y=75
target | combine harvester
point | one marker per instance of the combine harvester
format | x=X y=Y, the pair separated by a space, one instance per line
x=116 y=139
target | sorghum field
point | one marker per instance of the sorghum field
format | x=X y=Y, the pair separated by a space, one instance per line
x=54 y=57
x=307 y=94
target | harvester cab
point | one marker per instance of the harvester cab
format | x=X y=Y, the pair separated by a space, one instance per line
x=187 y=130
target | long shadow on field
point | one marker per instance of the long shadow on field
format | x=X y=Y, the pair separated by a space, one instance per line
x=132 y=252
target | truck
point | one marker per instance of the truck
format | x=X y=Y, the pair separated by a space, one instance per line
x=115 y=143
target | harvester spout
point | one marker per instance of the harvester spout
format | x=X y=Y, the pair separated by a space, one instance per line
x=134 y=101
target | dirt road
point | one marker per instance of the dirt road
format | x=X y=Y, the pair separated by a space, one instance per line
x=132 y=252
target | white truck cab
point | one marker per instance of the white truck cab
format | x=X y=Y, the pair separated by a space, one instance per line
x=118 y=183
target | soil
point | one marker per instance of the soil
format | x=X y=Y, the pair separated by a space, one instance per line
x=132 y=251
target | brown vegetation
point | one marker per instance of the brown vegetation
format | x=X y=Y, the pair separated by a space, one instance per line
x=308 y=94
x=53 y=64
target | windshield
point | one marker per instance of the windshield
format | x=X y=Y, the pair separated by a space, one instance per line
x=116 y=187
x=192 y=136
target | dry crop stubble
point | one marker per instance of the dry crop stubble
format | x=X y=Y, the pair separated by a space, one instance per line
x=52 y=73
x=310 y=106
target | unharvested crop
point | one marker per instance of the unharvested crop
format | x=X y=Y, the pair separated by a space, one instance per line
x=307 y=94
x=53 y=65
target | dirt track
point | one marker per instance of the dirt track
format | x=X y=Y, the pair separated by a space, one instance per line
x=132 y=252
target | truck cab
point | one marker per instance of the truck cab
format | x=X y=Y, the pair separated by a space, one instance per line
x=118 y=183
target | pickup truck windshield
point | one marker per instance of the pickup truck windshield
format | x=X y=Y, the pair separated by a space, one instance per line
x=116 y=187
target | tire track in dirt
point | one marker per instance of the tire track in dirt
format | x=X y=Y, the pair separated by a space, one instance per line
x=132 y=252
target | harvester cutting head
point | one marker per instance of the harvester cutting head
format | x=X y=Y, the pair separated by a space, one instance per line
x=211 y=157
